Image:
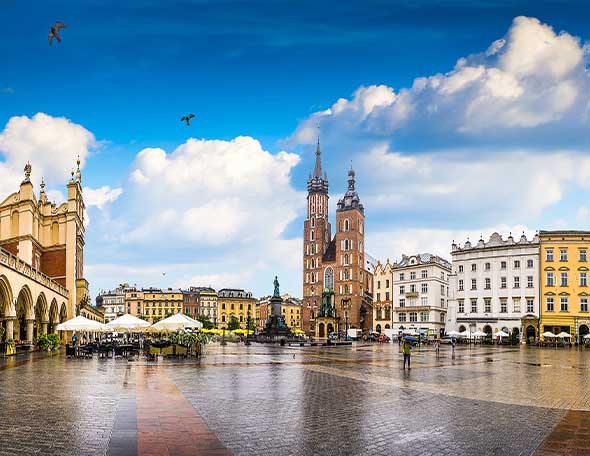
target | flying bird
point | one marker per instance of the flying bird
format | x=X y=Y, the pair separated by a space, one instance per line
x=54 y=32
x=187 y=119
x=163 y=273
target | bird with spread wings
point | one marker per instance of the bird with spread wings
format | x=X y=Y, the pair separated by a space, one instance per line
x=54 y=32
x=187 y=119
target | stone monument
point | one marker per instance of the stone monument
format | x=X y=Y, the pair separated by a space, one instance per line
x=276 y=328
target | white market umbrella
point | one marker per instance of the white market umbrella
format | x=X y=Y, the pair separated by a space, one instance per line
x=479 y=334
x=453 y=333
x=411 y=332
x=564 y=334
x=548 y=334
x=464 y=334
x=501 y=334
x=176 y=322
x=128 y=322
x=81 y=323
x=587 y=336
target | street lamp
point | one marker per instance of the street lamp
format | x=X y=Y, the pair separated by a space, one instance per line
x=247 y=342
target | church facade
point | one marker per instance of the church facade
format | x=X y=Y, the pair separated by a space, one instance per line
x=337 y=287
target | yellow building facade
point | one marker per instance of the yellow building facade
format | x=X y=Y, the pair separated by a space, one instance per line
x=564 y=282
x=159 y=304
x=237 y=303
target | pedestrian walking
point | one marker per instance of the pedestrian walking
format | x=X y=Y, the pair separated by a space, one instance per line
x=407 y=351
x=437 y=347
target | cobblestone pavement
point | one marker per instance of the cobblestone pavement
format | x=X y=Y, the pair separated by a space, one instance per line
x=265 y=400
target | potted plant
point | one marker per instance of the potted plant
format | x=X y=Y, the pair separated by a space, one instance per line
x=43 y=342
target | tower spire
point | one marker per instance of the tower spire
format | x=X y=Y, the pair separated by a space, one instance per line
x=318 y=161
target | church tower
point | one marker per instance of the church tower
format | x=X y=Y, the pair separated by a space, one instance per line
x=316 y=238
x=351 y=277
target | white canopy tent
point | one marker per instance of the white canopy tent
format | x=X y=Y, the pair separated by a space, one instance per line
x=82 y=324
x=563 y=334
x=453 y=333
x=465 y=334
x=548 y=334
x=587 y=336
x=479 y=334
x=176 y=322
x=128 y=322
x=501 y=334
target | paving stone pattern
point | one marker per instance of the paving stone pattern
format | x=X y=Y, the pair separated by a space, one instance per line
x=270 y=400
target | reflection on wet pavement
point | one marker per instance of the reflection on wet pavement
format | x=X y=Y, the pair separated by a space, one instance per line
x=262 y=400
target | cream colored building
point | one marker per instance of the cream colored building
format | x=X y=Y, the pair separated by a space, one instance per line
x=420 y=294
x=41 y=259
x=382 y=296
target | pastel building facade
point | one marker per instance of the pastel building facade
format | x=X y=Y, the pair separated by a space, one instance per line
x=494 y=286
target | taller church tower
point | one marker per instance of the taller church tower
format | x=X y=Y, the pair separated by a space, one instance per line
x=316 y=238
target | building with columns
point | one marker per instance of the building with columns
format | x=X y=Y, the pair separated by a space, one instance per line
x=336 y=283
x=41 y=259
x=494 y=286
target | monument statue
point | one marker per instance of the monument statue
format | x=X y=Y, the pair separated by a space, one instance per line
x=277 y=293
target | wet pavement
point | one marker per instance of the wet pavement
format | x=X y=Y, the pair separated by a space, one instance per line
x=265 y=400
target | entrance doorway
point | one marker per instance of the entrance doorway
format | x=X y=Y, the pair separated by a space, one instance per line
x=582 y=332
x=321 y=330
x=531 y=334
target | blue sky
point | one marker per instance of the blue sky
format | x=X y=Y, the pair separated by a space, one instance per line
x=442 y=149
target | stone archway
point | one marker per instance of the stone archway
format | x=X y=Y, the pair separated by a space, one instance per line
x=321 y=330
x=6 y=309
x=53 y=316
x=330 y=328
x=63 y=313
x=25 y=315
x=41 y=317
x=462 y=328
x=378 y=328
x=487 y=329
x=387 y=326
x=531 y=333
x=582 y=331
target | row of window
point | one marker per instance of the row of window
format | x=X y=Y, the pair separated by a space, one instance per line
x=563 y=255
x=503 y=265
x=530 y=283
x=424 y=317
x=412 y=302
x=550 y=279
x=423 y=275
x=423 y=289
x=487 y=305
x=232 y=307
x=564 y=304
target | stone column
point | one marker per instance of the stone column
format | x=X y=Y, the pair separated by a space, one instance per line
x=30 y=324
x=44 y=327
x=9 y=328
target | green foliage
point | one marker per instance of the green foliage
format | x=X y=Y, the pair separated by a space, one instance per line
x=10 y=342
x=2 y=331
x=234 y=323
x=250 y=324
x=53 y=340
x=43 y=342
x=48 y=341
x=207 y=324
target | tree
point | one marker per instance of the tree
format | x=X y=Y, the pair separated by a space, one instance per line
x=234 y=323
x=207 y=324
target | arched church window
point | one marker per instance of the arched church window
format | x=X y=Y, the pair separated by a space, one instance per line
x=311 y=237
x=346 y=225
x=329 y=278
x=313 y=222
